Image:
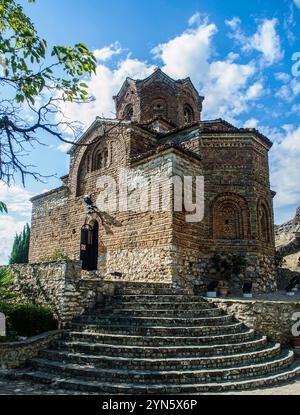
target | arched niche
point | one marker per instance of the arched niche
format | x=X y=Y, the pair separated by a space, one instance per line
x=230 y=217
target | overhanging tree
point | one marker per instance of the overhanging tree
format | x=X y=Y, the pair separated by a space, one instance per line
x=3 y=207
x=35 y=81
x=20 y=250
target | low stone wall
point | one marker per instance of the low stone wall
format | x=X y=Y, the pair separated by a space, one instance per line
x=259 y=269
x=15 y=354
x=269 y=318
x=284 y=277
x=61 y=285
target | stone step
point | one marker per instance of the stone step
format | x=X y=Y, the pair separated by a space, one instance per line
x=148 y=341
x=167 y=376
x=165 y=363
x=152 y=321
x=153 y=330
x=134 y=298
x=167 y=305
x=153 y=290
x=171 y=313
x=170 y=351
x=102 y=387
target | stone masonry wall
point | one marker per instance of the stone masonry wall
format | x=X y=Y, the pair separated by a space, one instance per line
x=15 y=354
x=268 y=318
x=155 y=246
x=60 y=285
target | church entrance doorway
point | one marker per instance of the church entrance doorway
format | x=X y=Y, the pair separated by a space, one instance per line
x=89 y=246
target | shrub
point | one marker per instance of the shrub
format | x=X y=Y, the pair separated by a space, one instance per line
x=6 y=279
x=31 y=319
x=20 y=249
x=56 y=256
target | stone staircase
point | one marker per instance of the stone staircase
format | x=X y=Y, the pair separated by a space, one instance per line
x=155 y=339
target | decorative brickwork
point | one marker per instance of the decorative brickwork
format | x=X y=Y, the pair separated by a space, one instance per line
x=159 y=133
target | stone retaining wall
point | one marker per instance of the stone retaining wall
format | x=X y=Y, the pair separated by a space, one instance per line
x=15 y=354
x=269 y=318
x=61 y=285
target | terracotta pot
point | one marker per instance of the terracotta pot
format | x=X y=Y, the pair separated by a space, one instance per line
x=295 y=341
x=223 y=291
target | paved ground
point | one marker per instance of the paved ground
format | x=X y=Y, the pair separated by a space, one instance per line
x=279 y=296
x=27 y=388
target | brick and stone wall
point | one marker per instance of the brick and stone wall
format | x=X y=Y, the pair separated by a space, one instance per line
x=15 y=354
x=159 y=245
x=268 y=318
x=61 y=285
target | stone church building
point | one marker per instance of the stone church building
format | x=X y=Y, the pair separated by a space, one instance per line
x=158 y=131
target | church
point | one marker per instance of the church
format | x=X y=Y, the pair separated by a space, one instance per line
x=159 y=132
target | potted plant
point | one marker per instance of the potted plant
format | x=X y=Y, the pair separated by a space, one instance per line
x=223 y=288
x=227 y=265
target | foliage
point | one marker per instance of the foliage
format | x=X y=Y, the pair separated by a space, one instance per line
x=3 y=207
x=20 y=249
x=279 y=260
x=28 y=319
x=6 y=279
x=35 y=80
x=56 y=256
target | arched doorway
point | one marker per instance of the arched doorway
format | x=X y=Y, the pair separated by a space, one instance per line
x=89 y=246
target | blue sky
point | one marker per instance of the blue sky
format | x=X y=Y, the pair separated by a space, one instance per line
x=238 y=54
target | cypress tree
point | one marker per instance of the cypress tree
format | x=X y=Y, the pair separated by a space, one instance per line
x=20 y=249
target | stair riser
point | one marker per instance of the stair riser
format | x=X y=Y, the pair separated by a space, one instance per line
x=159 y=313
x=158 y=341
x=176 y=378
x=149 y=389
x=132 y=364
x=143 y=321
x=160 y=331
x=154 y=291
x=157 y=298
x=165 y=353
x=149 y=306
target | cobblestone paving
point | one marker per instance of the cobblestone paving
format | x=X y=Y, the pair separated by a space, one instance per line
x=27 y=388
x=277 y=296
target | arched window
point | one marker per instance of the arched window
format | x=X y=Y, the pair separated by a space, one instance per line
x=160 y=106
x=230 y=217
x=128 y=112
x=188 y=115
x=263 y=223
x=100 y=159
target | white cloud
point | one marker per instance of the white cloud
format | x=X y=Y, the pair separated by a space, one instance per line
x=286 y=168
x=265 y=40
x=251 y=123
x=107 y=52
x=64 y=147
x=187 y=54
x=232 y=56
x=229 y=87
x=234 y=23
x=289 y=92
x=103 y=86
x=16 y=199
x=297 y=3
x=8 y=228
x=19 y=208
x=225 y=84
x=283 y=77
x=197 y=19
